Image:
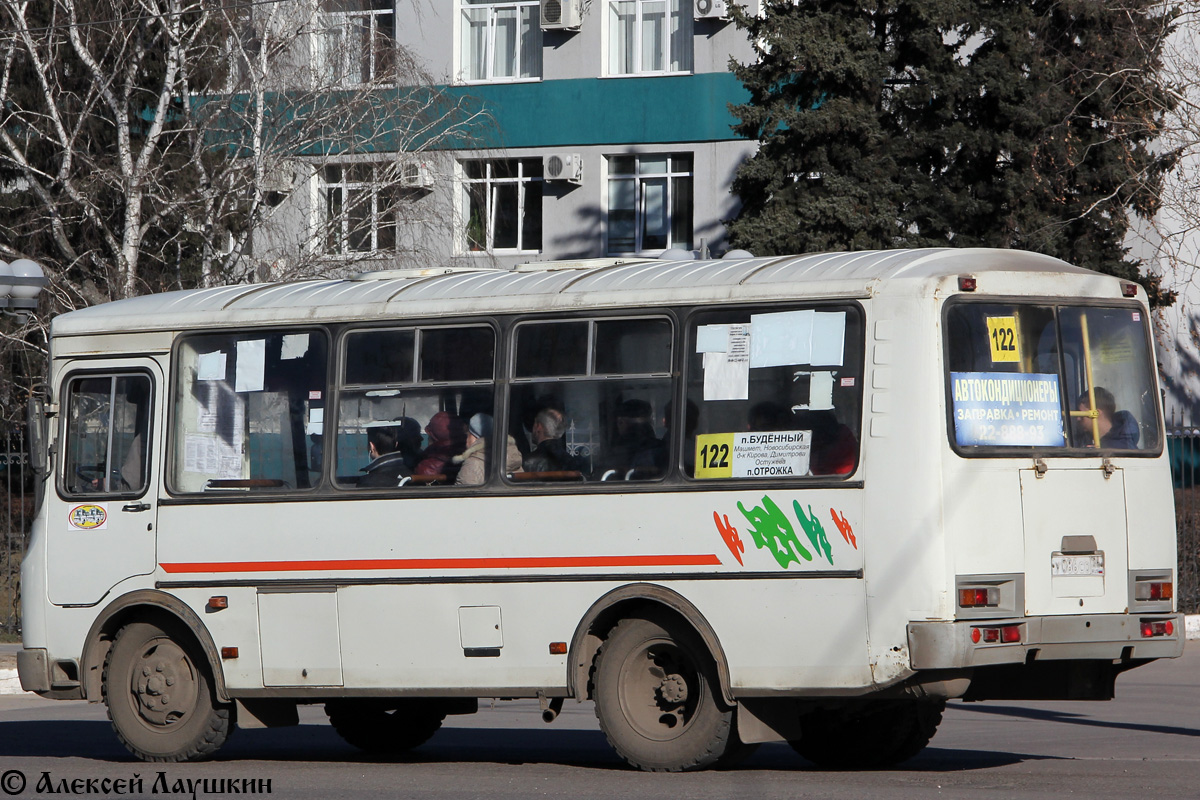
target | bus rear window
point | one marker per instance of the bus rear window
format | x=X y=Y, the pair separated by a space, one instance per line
x=1073 y=378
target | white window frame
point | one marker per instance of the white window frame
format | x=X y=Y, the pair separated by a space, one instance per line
x=612 y=31
x=524 y=184
x=639 y=178
x=348 y=189
x=489 y=55
x=347 y=71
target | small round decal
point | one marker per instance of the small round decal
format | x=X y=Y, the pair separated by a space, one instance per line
x=88 y=517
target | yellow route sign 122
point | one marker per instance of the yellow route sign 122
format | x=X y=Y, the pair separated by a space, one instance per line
x=1005 y=341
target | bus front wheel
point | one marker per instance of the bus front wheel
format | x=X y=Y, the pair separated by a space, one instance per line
x=390 y=729
x=875 y=734
x=160 y=694
x=657 y=696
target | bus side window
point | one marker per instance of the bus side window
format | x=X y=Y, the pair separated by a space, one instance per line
x=249 y=414
x=406 y=402
x=591 y=399
x=774 y=393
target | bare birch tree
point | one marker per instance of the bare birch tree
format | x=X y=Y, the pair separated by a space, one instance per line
x=145 y=144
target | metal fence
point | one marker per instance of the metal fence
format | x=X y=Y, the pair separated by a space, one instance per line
x=17 y=508
x=1183 y=447
x=16 y=515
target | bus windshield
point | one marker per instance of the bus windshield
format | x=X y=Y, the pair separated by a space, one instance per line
x=1069 y=378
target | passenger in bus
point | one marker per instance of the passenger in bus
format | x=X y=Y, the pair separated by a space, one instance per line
x=1118 y=429
x=549 y=453
x=770 y=416
x=635 y=448
x=408 y=441
x=834 y=446
x=447 y=438
x=474 y=460
x=387 y=467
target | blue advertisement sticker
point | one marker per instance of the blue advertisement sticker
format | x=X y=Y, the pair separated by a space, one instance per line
x=1007 y=409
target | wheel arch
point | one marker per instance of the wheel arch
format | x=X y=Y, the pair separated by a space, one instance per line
x=626 y=601
x=143 y=604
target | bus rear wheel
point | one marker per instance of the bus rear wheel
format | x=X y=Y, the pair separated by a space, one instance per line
x=874 y=735
x=387 y=728
x=160 y=694
x=657 y=696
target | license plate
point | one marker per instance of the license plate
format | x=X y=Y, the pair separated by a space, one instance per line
x=1092 y=564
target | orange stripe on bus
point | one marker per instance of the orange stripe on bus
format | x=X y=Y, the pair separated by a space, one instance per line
x=699 y=560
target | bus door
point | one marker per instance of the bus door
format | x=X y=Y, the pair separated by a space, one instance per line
x=1076 y=559
x=102 y=529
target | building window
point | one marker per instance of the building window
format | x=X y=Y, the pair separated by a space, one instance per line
x=503 y=204
x=648 y=36
x=500 y=41
x=360 y=216
x=356 y=41
x=649 y=203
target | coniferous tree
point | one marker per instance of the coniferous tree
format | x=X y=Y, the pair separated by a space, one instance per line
x=910 y=123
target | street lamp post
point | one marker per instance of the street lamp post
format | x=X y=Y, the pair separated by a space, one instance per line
x=20 y=284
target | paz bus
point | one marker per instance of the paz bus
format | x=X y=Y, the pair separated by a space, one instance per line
x=804 y=499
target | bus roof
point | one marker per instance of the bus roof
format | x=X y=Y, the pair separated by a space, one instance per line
x=549 y=286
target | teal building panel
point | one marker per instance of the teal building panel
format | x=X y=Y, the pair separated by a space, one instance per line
x=606 y=111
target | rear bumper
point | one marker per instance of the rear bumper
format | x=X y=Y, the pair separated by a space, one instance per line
x=949 y=645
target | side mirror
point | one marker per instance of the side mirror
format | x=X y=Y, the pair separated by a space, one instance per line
x=36 y=418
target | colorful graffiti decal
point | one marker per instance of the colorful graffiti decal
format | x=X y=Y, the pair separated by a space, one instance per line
x=773 y=529
x=844 y=528
x=770 y=527
x=730 y=535
x=814 y=530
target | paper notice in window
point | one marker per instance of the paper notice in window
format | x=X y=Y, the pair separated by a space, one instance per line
x=251 y=365
x=200 y=454
x=206 y=409
x=727 y=374
x=316 y=421
x=828 y=338
x=820 y=391
x=211 y=366
x=782 y=339
x=712 y=338
x=295 y=345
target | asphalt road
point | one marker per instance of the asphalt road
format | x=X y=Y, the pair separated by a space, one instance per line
x=1141 y=745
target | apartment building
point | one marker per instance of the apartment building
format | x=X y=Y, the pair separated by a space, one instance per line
x=605 y=133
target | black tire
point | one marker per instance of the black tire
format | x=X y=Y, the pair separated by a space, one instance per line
x=872 y=735
x=657 y=696
x=160 y=694
x=385 y=728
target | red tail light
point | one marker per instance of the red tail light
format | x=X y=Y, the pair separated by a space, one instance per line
x=1154 y=590
x=1001 y=634
x=1157 y=627
x=978 y=597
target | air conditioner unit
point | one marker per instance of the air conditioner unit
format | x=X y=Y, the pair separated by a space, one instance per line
x=563 y=167
x=416 y=176
x=561 y=15
x=711 y=9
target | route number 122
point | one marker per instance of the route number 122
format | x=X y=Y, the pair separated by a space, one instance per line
x=1002 y=331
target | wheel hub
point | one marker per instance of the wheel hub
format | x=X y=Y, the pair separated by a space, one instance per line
x=673 y=689
x=163 y=686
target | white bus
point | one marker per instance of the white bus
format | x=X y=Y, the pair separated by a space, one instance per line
x=802 y=499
